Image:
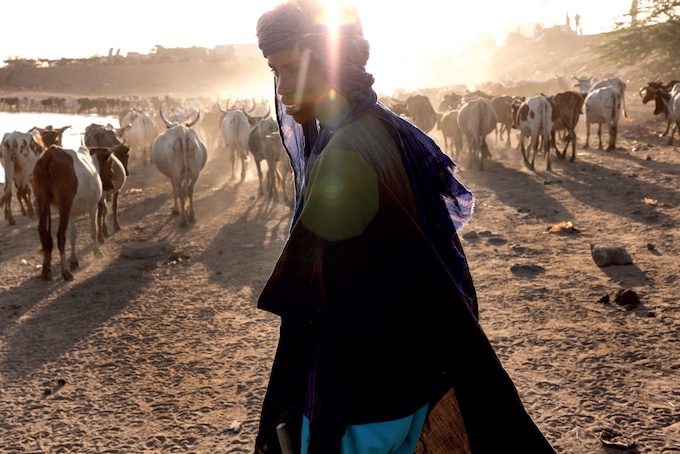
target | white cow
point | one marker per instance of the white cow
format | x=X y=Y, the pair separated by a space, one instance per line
x=603 y=105
x=140 y=130
x=235 y=132
x=476 y=120
x=20 y=151
x=674 y=110
x=180 y=155
x=69 y=181
x=618 y=85
x=534 y=120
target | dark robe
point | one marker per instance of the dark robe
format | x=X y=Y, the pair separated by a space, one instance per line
x=366 y=301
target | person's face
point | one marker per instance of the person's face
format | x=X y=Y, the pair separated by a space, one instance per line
x=299 y=83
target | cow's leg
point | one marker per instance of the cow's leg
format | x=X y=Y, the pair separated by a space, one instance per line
x=183 y=196
x=101 y=221
x=572 y=138
x=546 y=150
x=7 y=201
x=668 y=128
x=587 y=144
x=64 y=223
x=258 y=165
x=45 y=233
x=599 y=136
x=244 y=163
x=93 y=233
x=676 y=127
x=175 y=196
x=190 y=194
x=612 y=138
x=116 y=225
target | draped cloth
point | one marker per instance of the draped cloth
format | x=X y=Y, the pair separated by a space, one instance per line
x=373 y=287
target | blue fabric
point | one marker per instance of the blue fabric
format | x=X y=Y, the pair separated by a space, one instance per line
x=390 y=437
x=445 y=204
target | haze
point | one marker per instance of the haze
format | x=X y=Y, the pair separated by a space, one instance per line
x=409 y=40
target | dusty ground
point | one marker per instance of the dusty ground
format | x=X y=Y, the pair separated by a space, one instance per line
x=169 y=354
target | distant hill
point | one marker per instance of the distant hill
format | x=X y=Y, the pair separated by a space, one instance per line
x=248 y=77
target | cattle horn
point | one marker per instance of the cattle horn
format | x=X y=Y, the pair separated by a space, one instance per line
x=189 y=125
x=251 y=108
x=167 y=123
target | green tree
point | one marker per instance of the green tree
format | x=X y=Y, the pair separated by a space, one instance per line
x=650 y=30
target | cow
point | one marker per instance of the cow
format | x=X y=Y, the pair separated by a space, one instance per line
x=179 y=154
x=534 y=120
x=476 y=120
x=618 y=85
x=235 y=132
x=274 y=153
x=69 y=181
x=583 y=84
x=113 y=181
x=97 y=135
x=566 y=110
x=418 y=109
x=140 y=130
x=502 y=106
x=660 y=93
x=258 y=144
x=20 y=151
x=674 y=110
x=450 y=101
x=603 y=105
x=453 y=139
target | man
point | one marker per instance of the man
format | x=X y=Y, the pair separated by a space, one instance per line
x=380 y=349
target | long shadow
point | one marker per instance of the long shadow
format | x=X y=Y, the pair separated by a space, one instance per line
x=261 y=231
x=518 y=189
x=587 y=179
x=67 y=320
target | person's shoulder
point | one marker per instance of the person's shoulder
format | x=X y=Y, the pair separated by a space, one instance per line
x=363 y=129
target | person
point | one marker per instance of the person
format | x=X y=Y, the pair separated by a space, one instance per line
x=379 y=347
x=568 y=22
x=577 y=24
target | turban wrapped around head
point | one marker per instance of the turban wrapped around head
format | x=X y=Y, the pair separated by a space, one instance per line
x=341 y=54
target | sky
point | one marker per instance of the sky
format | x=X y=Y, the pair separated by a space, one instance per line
x=412 y=41
x=83 y=28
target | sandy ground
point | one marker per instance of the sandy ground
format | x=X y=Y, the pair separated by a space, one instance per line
x=168 y=353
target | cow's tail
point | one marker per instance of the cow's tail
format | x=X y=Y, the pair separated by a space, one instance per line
x=547 y=128
x=623 y=105
x=44 y=196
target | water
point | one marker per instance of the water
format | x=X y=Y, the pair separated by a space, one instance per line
x=10 y=121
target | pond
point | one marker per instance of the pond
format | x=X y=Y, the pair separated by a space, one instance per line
x=20 y=121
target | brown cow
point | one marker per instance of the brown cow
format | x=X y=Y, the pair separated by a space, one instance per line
x=566 y=109
x=68 y=180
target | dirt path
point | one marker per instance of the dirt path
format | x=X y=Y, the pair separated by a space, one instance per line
x=169 y=354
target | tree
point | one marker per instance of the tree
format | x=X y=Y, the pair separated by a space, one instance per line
x=651 y=29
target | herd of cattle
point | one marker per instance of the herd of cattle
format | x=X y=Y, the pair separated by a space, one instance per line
x=41 y=173
x=465 y=120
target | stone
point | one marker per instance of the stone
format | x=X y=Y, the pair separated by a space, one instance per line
x=609 y=255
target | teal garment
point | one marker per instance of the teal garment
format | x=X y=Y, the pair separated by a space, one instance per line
x=389 y=437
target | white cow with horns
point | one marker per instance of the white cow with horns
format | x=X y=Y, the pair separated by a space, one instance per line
x=180 y=155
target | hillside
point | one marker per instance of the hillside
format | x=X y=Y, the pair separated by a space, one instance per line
x=180 y=79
